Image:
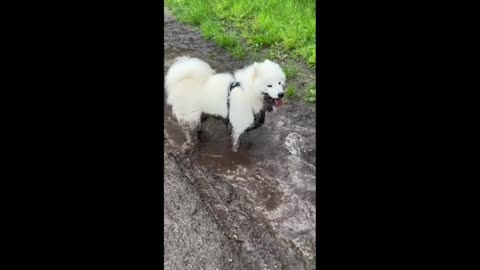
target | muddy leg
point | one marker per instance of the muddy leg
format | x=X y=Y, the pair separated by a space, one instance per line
x=235 y=142
x=199 y=127
x=192 y=138
x=191 y=135
x=194 y=134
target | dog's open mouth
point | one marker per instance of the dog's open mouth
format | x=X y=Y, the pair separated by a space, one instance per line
x=272 y=104
x=278 y=102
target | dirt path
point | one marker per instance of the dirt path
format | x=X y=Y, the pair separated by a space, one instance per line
x=254 y=209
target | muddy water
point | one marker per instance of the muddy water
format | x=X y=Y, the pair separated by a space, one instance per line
x=263 y=196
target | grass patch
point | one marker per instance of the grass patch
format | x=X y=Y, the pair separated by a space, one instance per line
x=291 y=91
x=290 y=71
x=286 y=27
x=311 y=94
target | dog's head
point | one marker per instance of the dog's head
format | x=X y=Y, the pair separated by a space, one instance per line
x=269 y=80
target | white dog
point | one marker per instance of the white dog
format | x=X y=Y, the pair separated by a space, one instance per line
x=195 y=91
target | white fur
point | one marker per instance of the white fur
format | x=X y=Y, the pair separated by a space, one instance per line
x=193 y=88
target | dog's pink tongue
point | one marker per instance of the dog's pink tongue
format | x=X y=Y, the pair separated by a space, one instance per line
x=278 y=102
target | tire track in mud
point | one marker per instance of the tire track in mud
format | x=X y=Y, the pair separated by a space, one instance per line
x=262 y=198
x=252 y=238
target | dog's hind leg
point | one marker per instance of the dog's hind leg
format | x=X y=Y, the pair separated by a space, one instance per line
x=191 y=134
x=203 y=118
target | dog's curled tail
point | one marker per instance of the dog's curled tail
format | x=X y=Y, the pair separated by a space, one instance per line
x=187 y=68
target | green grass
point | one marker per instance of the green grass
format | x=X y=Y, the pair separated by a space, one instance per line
x=290 y=71
x=291 y=91
x=286 y=27
x=311 y=94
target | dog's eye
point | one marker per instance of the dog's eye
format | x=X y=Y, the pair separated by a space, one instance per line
x=269 y=85
x=279 y=83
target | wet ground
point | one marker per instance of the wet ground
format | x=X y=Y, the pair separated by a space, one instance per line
x=254 y=209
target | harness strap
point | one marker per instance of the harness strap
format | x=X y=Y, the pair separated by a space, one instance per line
x=230 y=88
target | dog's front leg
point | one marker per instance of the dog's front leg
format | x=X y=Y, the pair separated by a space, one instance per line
x=235 y=141
x=193 y=134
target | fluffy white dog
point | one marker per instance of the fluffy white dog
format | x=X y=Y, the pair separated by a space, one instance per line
x=195 y=92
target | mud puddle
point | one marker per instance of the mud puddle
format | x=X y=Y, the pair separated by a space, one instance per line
x=263 y=196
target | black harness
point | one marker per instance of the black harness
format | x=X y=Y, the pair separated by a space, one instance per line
x=259 y=118
x=230 y=88
x=226 y=120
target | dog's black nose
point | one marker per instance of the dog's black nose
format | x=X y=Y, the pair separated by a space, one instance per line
x=280 y=95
